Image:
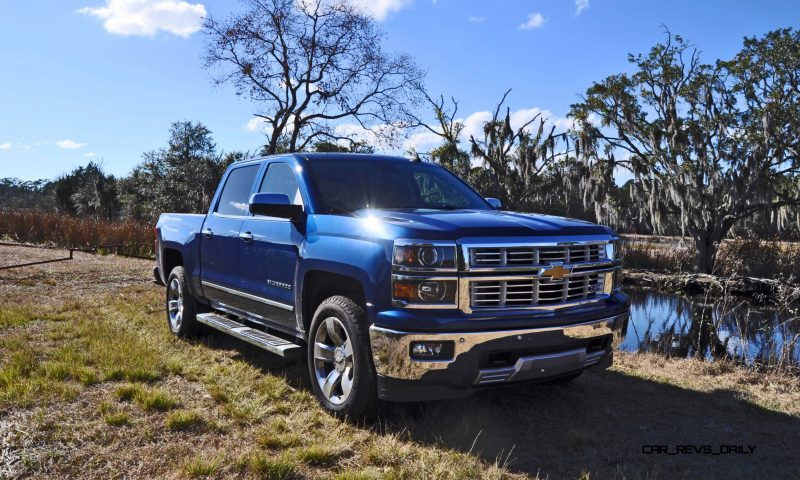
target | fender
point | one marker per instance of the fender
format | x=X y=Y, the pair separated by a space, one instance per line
x=365 y=260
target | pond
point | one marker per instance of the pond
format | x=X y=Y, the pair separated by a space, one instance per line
x=683 y=325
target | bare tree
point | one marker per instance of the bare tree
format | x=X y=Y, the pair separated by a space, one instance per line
x=310 y=64
x=449 y=154
x=516 y=157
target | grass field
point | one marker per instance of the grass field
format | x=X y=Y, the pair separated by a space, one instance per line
x=92 y=385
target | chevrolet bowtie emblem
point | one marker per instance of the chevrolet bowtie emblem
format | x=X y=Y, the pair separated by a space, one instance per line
x=556 y=271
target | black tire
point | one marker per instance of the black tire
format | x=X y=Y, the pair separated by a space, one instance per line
x=181 y=316
x=361 y=399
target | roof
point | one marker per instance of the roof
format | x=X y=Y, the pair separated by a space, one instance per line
x=334 y=156
x=327 y=156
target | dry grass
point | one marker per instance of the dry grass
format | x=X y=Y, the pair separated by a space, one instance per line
x=93 y=385
x=736 y=257
x=32 y=226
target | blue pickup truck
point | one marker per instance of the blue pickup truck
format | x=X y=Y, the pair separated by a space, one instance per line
x=393 y=277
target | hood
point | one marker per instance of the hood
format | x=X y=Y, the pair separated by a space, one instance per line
x=451 y=225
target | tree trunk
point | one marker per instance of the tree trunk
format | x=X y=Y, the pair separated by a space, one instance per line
x=706 y=253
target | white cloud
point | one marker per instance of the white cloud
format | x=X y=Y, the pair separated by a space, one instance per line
x=69 y=144
x=535 y=20
x=580 y=6
x=148 y=17
x=91 y=155
x=423 y=141
x=5 y=146
x=477 y=19
x=380 y=136
x=380 y=9
x=256 y=124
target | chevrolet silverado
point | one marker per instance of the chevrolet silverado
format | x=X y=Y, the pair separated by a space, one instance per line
x=393 y=277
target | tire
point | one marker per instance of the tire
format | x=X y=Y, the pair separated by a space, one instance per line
x=180 y=305
x=342 y=375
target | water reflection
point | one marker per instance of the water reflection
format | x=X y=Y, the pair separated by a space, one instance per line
x=681 y=325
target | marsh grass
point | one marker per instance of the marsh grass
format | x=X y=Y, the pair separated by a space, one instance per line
x=33 y=226
x=736 y=257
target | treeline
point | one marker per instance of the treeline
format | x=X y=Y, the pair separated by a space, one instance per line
x=180 y=177
x=712 y=149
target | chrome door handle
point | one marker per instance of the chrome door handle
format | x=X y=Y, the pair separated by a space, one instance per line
x=208 y=233
x=246 y=236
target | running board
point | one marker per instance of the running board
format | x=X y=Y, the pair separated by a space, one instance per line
x=260 y=339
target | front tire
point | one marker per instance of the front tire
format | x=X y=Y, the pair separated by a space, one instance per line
x=342 y=374
x=181 y=311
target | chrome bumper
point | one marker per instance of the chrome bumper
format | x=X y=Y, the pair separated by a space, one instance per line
x=391 y=350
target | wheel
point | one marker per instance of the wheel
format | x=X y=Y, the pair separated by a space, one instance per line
x=339 y=363
x=181 y=309
x=564 y=379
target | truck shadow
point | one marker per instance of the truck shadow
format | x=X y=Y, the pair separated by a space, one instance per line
x=293 y=371
x=607 y=424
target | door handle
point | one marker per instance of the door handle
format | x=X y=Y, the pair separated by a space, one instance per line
x=208 y=233
x=246 y=236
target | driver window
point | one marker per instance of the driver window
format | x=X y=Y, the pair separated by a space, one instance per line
x=280 y=178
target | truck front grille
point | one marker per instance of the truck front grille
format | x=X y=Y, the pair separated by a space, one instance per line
x=534 y=292
x=530 y=256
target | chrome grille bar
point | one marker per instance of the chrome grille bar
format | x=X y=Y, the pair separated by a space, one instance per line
x=532 y=256
x=533 y=292
x=514 y=274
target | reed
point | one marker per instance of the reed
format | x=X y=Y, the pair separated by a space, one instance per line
x=736 y=257
x=94 y=234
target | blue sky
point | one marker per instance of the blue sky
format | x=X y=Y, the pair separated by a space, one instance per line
x=102 y=80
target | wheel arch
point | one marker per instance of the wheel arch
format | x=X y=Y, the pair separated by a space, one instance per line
x=321 y=284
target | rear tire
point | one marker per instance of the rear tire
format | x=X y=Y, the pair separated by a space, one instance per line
x=339 y=360
x=181 y=310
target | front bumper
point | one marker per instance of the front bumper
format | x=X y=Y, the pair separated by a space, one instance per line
x=490 y=358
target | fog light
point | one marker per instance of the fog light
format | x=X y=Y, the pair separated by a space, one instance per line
x=432 y=350
x=431 y=291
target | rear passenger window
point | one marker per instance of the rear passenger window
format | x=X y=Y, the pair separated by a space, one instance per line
x=235 y=193
x=280 y=178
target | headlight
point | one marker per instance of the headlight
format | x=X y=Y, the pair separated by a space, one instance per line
x=422 y=256
x=424 y=291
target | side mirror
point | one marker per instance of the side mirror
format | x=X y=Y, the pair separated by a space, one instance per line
x=495 y=203
x=274 y=205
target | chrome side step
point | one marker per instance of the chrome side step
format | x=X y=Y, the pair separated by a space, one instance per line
x=271 y=343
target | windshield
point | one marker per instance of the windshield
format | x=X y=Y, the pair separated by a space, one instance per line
x=348 y=185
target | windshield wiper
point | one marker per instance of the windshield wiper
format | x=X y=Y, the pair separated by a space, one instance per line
x=444 y=207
